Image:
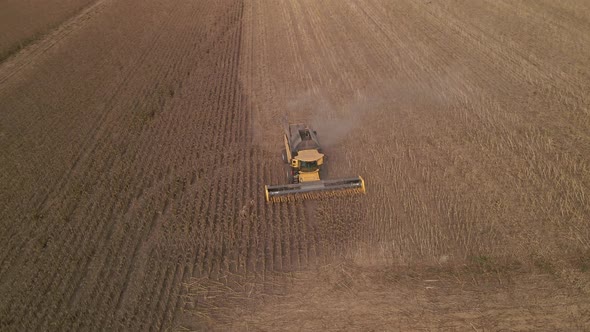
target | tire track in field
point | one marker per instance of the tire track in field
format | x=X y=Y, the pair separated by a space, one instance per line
x=27 y=57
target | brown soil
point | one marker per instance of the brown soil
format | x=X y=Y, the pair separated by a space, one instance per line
x=22 y=22
x=136 y=139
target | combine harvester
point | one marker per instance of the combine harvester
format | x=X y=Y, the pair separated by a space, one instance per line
x=303 y=155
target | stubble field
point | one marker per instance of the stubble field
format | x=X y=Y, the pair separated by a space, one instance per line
x=136 y=139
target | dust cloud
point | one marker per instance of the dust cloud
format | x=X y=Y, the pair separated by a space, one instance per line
x=336 y=116
x=333 y=121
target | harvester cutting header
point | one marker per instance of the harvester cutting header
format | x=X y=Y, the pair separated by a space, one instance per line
x=305 y=162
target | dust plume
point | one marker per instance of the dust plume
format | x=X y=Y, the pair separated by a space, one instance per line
x=333 y=121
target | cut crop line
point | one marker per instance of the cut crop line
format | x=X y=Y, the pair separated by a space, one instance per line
x=31 y=53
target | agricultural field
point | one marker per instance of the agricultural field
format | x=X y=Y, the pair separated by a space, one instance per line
x=24 y=21
x=137 y=137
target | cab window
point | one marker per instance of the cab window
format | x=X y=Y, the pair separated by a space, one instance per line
x=308 y=166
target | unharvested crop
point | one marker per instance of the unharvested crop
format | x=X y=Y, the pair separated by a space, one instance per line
x=136 y=139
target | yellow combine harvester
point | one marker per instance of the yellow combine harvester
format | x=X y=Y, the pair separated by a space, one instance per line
x=305 y=159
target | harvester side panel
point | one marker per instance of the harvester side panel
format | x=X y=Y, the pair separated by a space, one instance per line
x=288 y=149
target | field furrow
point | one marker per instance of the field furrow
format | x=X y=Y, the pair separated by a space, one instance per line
x=137 y=138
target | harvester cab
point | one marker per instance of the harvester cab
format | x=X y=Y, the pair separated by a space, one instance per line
x=306 y=166
x=305 y=161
